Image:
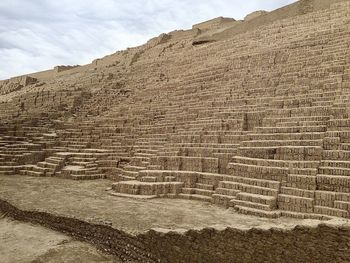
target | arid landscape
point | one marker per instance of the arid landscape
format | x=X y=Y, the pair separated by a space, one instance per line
x=227 y=142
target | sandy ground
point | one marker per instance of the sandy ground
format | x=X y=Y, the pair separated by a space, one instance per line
x=89 y=201
x=27 y=243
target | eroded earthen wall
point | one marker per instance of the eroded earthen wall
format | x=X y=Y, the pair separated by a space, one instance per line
x=302 y=244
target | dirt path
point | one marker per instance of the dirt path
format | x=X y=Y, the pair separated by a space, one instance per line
x=24 y=243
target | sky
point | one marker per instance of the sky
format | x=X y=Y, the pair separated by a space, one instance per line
x=36 y=35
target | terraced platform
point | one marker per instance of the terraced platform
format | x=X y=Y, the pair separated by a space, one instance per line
x=248 y=118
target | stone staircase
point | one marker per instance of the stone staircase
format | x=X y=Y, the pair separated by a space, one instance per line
x=80 y=166
x=145 y=148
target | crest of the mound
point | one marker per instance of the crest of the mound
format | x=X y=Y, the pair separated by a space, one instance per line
x=214 y=23
x=255 y=15
x=260 y=18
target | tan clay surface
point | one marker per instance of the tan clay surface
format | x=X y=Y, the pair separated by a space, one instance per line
x=89 y=201
x=24 y=243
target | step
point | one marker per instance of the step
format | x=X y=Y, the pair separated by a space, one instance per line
x=82 y=159
x=243 y=203
x=34 y=173
x=257 y=182
x=8 y=163
x=221 y=199
x=334 y=171
x=296 y=129
x=257 y=168
x=301 y=123
x=51 y=166
x=23 y=172
x=133 y=168
x=39 y=169
x=248 y=188
x=257 y=212
x=121 y=177
x=342 y=205
x=138 y=160
x=227 y=192
x=298 y=119
x=203 y=192
x=130 y=173
x=295 y=203
x=147 y=151
x=7 y=168
x=169 y=178
x=335 y=163
x=270 y=201
x=286 y=136
x=151 y=179
x=307 y=182
x=299 y=215
x=275 y=163
x=280 y=143
x=297 y=192
x=154 y=167
x=304 y=171
x=336 y=155
x=345 y=146
x=147 y=188
x=144 y=155
x=195 y=197
x=332 y=180
x=331 y=211
x=133 y=196
x=188 y=190
x=205 y=186
x=85 y=176
x=7 y=172
x=78 y=170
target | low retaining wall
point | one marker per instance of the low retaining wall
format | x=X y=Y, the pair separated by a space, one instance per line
x=324 y=243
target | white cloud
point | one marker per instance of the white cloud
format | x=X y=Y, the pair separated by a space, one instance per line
x=37 y=35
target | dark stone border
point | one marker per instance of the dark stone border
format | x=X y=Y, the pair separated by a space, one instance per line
x=105 y=238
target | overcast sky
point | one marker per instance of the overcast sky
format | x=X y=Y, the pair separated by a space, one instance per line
x=39 y=34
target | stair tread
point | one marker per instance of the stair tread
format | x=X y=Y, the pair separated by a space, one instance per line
x=249 y=204
x=197 y=196
x=133 y=196
x=253 y=211
x=265 y=197
x=249 y=185
x=295 y=197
